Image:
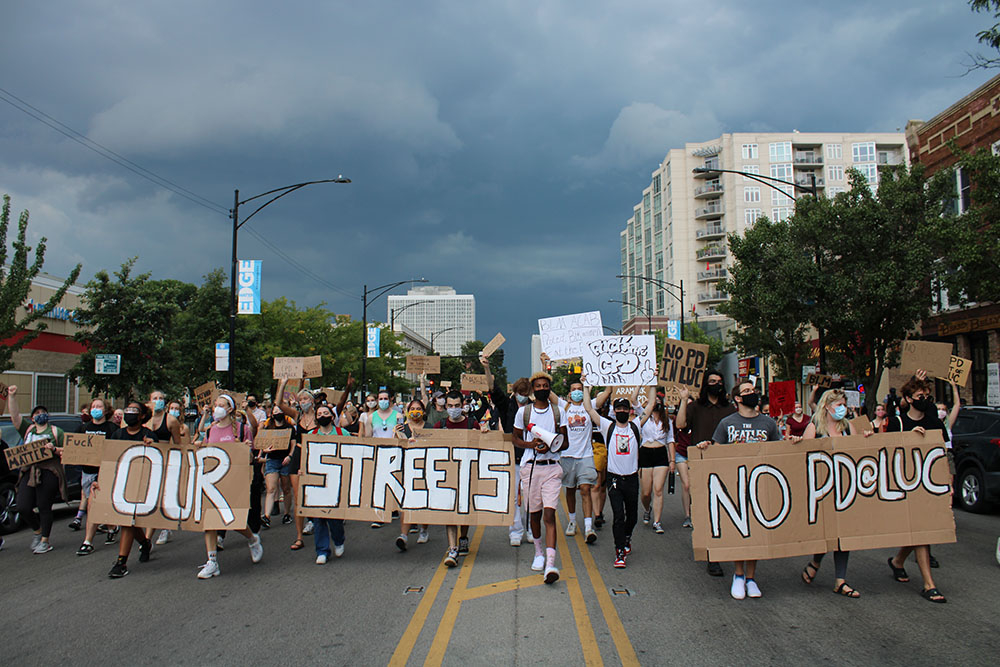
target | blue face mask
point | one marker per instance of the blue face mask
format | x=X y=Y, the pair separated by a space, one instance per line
x=383 y=404
x=576 y=395
x=42 y=418
x=840 y=412
x=96 y=413
x=175 y=413
x=158 y=404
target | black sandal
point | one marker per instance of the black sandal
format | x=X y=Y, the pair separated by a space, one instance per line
x=898 y=573
x=806 y=577
x=934 y=595
x=848 y=593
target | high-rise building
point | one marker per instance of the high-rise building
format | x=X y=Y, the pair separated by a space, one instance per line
x=444 y=318
x=677 y=231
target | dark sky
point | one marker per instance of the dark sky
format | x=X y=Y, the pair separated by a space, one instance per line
x=497 y=147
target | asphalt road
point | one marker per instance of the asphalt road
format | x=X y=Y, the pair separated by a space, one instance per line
x=663 y=609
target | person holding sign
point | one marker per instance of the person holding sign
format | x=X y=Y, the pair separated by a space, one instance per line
x=326 y=528
x=99 y=425
x=276 y=470
x=655 y=461
x=39 y=484
x=306 y=416
x=410 y=431
x=167 y=429
x=577 y=460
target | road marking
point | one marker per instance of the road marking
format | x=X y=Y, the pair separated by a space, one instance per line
x=520 y=583
x=409 y=639
x=588 y=642
x=447 y=625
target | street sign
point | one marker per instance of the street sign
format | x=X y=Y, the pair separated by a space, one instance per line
x=674 y=329
x=807 y=371
x=108 y=364
x=222 y=356
x=372 y=339
x=993 y=384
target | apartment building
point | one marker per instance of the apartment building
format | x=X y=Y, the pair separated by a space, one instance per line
x=438 y=314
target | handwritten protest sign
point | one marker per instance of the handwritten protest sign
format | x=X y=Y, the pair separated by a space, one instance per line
x=958 y=370
x=418 y=364
x=779 y=499
x=288 y=367
x=443 y=477
x=782 y=397
x=861 y=424
x=620 y=360
x=493 y=345
x=83 y=449
x=474 y=382
x=312 y=367
x=853 y=398
x=820 y=380
x=446 y=384
x=276 y=439
x=27 y=454
x=203 y=394
x=935 y=358
x=683 y=364
x=173 y=486
x=563 y=337
x=623 y=391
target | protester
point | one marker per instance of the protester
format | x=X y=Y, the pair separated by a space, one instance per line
x=881 y=421
x=305 y=417
x=679 y=453
x=655 y=460
x=507 y=405
x=577 y=460
x=99 y=425
x=116 y=416
x=410 y=430
x=276 y=471
x=744 y=426
x=324 y=528
x=382 y=422
x=796 y=423
x=167 y=429
x=176 y=410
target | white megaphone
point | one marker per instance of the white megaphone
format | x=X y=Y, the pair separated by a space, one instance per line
x=553 y=440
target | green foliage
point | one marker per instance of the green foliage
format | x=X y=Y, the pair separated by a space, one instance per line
x=468 y=362
x=990 y=36
x=695 y=334
x=15 y=285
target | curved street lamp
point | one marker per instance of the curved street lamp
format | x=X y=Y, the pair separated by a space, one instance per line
x=366 y=301
x=395 y=311
x=649 y=317
x=435 y=333
x=663 y=284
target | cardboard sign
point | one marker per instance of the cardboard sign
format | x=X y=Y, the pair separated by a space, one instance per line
x=275 y=439
x=610 y=361
x=563 y=336
x=417 y=364
x=288 y=367
x=493 y=345
x=958 y=371
x=935 y=358
x=853 y=398
x=780 y=499
x=173 y=486
x=683 y=364
x=627 y=392
x=203 y=394
x=474 y=382
x=781 y=396
x=861 y=424
x=443 y=477
x=333 y=396
x=312 y=367
x=83 y=449
x=27 y=454
x=446 y=384
x=820 y=380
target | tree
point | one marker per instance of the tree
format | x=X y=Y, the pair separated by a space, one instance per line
x=989 y=37
x=15 y=283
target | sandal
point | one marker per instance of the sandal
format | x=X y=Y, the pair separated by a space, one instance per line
x=806 y=577
x=296 y=545
x=898 y=573
x=934 y=595
x=847 y=591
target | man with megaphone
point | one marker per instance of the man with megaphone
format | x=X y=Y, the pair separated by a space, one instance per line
x=540 y=430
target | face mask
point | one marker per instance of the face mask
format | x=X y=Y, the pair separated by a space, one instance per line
x=522 y=399
x=383 y=404
x=218 y=414
x=305 y=407
x=621 y=416
x=920 y=404
x=465 y=408
x=415 y=415
x=942 y=414
x=750 y=400
x=454 y=413
x=42 y=418
x=325 y=420
x=371 y=404
x=576 y=395
x=131 y=418
x=158 y=404
x=96 y=413
x=440 y=403
x=839 y=412
x=175 y=413
x=716 y=389
x=279 y=418
x=542 y=394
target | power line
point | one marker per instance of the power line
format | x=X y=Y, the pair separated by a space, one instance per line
x=305 y=270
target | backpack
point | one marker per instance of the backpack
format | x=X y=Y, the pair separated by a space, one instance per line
x=611 y=430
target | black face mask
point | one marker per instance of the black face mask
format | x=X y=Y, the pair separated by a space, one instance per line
x=324 y=420
x=279 y=419
x=750 y=400
x=622 y=416
x=921 y=404
x=131 y=418
x=542 y=394
x=716 y=390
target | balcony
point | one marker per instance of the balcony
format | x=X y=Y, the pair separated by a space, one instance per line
x=711 y=312
x=715 y=251
x=708 y=211
x=715 y=296
x=711 y=232
x=708 y=190
x=808 y=158
x=806 y=182
x=709 y=166
x=714 y=274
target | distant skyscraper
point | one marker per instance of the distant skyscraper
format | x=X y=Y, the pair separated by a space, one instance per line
x=436 y=313
x=536 y=353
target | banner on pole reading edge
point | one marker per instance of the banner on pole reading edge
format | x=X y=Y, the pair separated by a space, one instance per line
x=372 y=340
x=248 y=287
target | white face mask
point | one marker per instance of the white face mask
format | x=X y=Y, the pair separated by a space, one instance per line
x=942 y=414
x=218 y=414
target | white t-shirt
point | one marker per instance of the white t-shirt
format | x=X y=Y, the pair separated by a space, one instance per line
x=623 y=450
x=580 y=429
x=651 y=431
x=545 y=419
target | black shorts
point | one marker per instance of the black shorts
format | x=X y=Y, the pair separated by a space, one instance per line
x=653 y=457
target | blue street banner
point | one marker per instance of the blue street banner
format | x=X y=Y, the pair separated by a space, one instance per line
x=674 y=329
x=373 y=338
x=248 y=287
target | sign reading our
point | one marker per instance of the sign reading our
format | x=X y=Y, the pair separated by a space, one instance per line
x=27 y=454
x=442 y=477
x=683 y=364
x=620 y=360
x=417 y=364
x=780 y=499
x=83 y=449
x=563 y=337
x=173 y=486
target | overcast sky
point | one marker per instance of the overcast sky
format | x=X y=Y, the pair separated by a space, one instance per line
x=497 y=147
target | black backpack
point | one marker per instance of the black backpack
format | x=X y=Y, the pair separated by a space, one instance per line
x=611 y=430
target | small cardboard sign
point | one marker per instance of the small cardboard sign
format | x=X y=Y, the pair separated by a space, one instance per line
x=853 y=398
x=27 y=454
x=493 y=345
x=627 y=392
x=288 y=367
x=934 y=358
x=417 y=364
x=83 y=449
x=861 y=425
x=958 y=371
x=203 y=394
x=474 y=382
x=275 y=439
x=333 y=396
x=446 y=384
x=820 y=380
x=683 y=364
x=312 y=367
x=781 y=397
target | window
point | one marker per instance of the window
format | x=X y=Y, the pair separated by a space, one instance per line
x=659 y=261
x=834 y=152
x=834 y=190
x=869 y=171
x=995 y=148
x=645 y=198
x=649 y=254
x=783 y=213
x=658 y=222
x=835 y=172
x=656 y=203
x=648 y=236
x=750 y=169
x=782 y=197
x=50 y=391
x=751 y=193
x=638 y=217
x=964 y=188
x=863 y=151
x=781 y=151
x=782 y=171
x=750 y=151
x=656 y=183
x=660 y=303
x=751 y=215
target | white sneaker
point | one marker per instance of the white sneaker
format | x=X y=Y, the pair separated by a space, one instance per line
x=551 y=574
x=256 y=550
x=739 y=589
x=539 y=563
x=528 y=536
x=35 y=540
x=753 y=590
x=163 y=537
x=401 y=542
x=219 y=546
x=209 y=570
x=515 y=540
x=338 y=550
x=321 y=559
x=42 y=548
x=570 y=529
x=591 y=536
x=423 y=537
x=308 y=529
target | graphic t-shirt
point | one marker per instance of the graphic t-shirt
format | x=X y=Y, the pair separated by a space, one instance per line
x=623 y=450
x=546 y=420
x=736 y=429
x=580 y=431
x=106 y=428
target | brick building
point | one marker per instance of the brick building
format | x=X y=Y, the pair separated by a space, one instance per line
x=972 y=123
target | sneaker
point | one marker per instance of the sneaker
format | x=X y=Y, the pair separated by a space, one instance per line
x=43 y=548
x=571 y=529
x=591 y=536
x=463 y=546
x=338 y=550
x=753 y=590
x=321 y=559
x=85 y=549
x=598 y=520
x=646 y=516
x=256 y=550
x=308 y=528
x=551 y=574
x=118 y=570
x=401 y=542
x=934 y=562
x=538 y=564
x=265 y=521
x=628 y=545
x=423 y=537
x=515 y=540
x=414 y=529
x=620 y=558
x=109 y=537
x=658 y=527
x=451 y=558
x=739 y=588
x=714 y=569
x=376 y=524
x=687 y=523
x=528 y=536
x=209 y=570
x=75 y=524
x=220 y=545
x=286 y=519
x=35 y=541
x=163 y=537
x=145 y=548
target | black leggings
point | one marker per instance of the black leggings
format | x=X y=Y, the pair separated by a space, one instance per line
x=623 y=494
x=41 y=496
x=839 y=562
x=256 y=491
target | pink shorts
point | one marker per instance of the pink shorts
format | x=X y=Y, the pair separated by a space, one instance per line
x=546 y=483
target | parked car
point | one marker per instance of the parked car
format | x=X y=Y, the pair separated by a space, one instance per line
x=976 y=442
x=10 y=518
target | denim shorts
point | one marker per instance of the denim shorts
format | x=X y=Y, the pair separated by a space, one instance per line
x=274 y=465
x=680 y=458
x=86 y=480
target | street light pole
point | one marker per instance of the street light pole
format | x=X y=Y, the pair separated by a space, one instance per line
x=365 y=302
x=435 y=333
x=235 y=215
x=663 y=284
x=393 y=311
x=649 y=316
